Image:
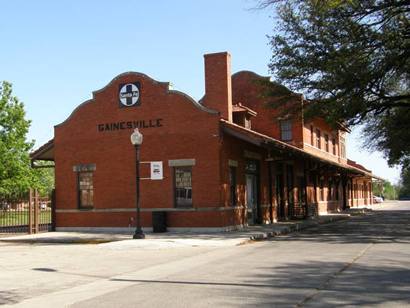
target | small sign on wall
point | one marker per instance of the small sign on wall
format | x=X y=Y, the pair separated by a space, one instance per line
x=156 y=170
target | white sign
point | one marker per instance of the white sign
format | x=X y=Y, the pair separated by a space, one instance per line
x=156 y=170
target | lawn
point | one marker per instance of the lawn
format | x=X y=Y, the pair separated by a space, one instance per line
x=9 y=218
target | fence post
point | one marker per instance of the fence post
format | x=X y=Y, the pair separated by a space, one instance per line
x=30 y=212
x=36 y=211
x=53 y=210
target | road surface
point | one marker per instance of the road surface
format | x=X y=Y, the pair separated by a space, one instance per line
x=361 y=261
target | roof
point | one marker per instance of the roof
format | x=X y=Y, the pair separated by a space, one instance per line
x=45 y=152
x=241 y=108
x=354 y=164
x=261 y=139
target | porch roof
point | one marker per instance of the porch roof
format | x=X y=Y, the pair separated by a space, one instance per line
x=45 y=152
x=284 y=148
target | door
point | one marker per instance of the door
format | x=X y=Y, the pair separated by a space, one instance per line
x=251 y=199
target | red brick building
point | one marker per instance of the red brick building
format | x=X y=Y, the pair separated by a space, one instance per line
x=228 y=160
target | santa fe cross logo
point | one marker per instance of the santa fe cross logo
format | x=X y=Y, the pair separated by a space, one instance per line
x=129 y=94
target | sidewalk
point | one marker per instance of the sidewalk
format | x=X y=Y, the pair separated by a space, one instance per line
x=174 y=239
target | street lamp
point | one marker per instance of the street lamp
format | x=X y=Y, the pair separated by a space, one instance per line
x=136 y=140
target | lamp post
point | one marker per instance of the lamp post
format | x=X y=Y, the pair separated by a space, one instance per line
x=136 y=140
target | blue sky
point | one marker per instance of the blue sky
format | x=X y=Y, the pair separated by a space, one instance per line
x=57 y=52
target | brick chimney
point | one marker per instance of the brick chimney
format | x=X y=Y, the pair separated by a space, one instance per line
x=218 y=83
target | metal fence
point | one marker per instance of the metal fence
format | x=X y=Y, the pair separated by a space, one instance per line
x=28 y=213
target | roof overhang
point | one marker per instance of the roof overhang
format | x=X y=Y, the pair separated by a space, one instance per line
x=43 y=153
x=285 y=148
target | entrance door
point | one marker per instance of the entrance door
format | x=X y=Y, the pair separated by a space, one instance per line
x=251 y=199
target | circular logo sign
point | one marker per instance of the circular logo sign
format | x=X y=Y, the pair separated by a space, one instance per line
x=129 y=94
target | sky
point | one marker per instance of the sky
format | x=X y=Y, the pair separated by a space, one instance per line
x=56 y=53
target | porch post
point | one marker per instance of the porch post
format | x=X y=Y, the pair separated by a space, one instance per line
x=270 y=191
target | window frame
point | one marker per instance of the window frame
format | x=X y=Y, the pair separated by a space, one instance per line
x=326 y=136
x=286 y=130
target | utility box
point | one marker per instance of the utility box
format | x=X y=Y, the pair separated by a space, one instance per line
x=159 y=221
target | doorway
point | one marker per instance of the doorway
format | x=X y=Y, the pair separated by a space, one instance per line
x=251 y=199
x=252 y=195
x=280 y=196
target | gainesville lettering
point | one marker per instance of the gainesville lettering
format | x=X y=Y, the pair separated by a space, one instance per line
x=129 y=125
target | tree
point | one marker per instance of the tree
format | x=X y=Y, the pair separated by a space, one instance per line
x=351 y=60
x=16 y=175
x=385 y=189
x=404 y=191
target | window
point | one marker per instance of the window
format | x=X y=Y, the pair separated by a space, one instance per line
x=286 y=130
x=342 y=147
x=318 y=138
x=334 y=146
x=85 y=190
x=248 y=122
x=327 y=142
x=312 y=136
x=183 y=186
x=232 y=185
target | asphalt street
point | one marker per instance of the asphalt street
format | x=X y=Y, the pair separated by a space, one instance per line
x=364 y=261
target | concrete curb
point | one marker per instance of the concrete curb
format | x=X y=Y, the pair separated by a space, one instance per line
x=251 y=233
x=283 y=230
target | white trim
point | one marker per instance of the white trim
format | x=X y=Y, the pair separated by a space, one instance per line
x=132 y=210
x=181 y=162
x=232 y=163
x=130 y=230
x=206 y=229
x=126 y=230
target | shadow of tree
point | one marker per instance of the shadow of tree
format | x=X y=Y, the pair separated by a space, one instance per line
x=10 y=297
x=325 y=284
x=377 y=227
x=299 y=284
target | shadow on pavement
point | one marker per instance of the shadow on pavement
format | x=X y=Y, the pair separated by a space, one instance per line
x=375 y=227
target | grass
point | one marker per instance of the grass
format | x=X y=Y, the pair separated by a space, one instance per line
x=10 y=218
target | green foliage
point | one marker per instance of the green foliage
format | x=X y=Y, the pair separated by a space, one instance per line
x=351 y=60
x=385 y=189
x=390 y=134
x=43 y=179
x=16 y=175
x=405 y=183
